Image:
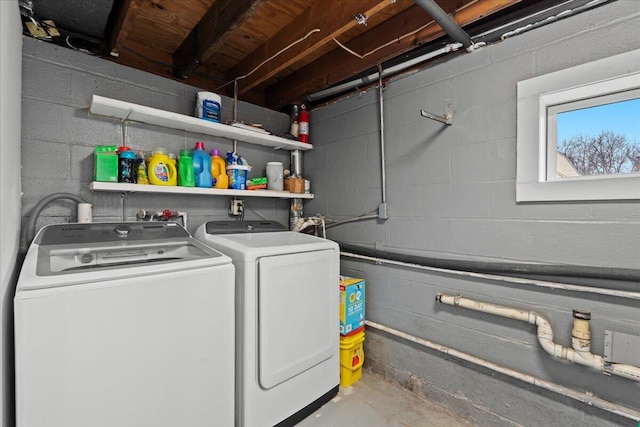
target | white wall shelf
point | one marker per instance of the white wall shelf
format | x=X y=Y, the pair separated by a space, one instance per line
x=139 y=113
x=161 y=189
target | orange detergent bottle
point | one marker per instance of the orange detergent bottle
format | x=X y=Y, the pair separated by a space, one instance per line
x=218 y=170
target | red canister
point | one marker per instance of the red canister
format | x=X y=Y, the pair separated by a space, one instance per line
x=303 y=124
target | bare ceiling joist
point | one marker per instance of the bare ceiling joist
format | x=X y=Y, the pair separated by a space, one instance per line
x=332 y=17
x=211 y=32
x=340 y=65
x=124 y=21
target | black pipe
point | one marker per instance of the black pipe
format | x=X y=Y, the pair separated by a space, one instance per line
x=450 y=26
x=516 y=269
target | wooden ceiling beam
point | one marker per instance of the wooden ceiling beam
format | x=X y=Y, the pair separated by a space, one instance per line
x=141 y=57
x=340 y=65
x=332 y=17
x=125 y=19
x=211 y=32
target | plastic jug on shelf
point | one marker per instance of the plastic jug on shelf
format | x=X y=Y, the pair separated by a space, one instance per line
x=161 y=169
x=218 y=171
x=186 y=175
x=202 y=166
x=126 y=165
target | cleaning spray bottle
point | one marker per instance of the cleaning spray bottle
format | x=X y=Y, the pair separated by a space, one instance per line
x=141 y=169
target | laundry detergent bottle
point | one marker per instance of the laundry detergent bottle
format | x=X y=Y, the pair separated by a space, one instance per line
x=161 y=170
x=202 y=166
x=218 y=170
x=186 y=176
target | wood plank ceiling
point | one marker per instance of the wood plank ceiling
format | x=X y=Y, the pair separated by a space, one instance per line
x=280 y=51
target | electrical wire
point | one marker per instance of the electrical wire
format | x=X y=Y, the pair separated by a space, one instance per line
x=358 y=218
x=289 y=46
x=258 y=214
x=321 y=220
x=396 y=40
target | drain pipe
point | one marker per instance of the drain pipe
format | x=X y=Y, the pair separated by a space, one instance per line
x=443 y=19
x=579 y=396
x=580 y=352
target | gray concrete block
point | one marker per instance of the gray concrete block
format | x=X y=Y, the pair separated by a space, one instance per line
x=54 y=159
x=425 y=163
x=174 y=103
x=555 y=241
x=82 y=163
x=84 y=85
x=46 y=81
x=149 y=81
x=39 y=116
x=37 y=49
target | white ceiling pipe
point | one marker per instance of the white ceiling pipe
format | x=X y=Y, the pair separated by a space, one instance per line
x=579 y=396
x=581 y=355
x=452 y=47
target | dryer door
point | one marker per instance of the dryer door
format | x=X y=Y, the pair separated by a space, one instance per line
x=297 y=313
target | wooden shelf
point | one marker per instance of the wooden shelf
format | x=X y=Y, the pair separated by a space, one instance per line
x=135 y=188
x=126 y=110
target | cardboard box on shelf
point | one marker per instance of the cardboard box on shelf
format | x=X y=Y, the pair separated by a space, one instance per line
x=294 y=185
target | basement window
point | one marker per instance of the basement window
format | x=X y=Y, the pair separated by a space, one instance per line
x=579 y=133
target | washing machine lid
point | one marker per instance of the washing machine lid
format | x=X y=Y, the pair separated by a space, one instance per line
x=249 y=246
x=66 y=254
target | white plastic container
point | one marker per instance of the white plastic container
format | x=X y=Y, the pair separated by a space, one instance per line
x=238 y=176
x=275 y=176
x=208 y=106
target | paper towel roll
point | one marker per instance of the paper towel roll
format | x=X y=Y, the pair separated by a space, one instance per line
x=85 y=212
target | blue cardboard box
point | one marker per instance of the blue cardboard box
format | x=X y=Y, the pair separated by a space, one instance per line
x=352 y=307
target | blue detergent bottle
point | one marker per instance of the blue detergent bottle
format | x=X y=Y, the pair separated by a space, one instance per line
x=202 y=166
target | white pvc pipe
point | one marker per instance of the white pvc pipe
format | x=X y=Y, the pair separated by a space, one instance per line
x=587 y=398
x=508 y=279
x=545 y=336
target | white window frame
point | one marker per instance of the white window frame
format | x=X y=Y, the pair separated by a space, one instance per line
x=536 y=152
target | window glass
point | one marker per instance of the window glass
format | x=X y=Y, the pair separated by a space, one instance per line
x=579 y=132
x=599 y=140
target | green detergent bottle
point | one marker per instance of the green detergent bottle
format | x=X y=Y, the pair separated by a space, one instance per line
x=186 y=175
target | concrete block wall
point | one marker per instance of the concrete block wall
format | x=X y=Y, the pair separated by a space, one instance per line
x=451 y=194
x=59 y=137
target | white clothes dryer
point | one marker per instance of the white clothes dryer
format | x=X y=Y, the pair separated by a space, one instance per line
x=287 y=304
x=124 y=324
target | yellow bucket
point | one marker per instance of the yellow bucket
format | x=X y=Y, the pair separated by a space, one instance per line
x=351 y=358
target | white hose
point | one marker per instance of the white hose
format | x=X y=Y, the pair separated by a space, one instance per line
x=587 y=398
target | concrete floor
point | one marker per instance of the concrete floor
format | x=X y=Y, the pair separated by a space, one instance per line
x=373 y=402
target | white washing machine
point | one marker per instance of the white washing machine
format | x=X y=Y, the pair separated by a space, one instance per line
x=287 y=303
x=124 y=324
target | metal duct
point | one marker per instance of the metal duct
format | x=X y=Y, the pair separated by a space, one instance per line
x=443 y=19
